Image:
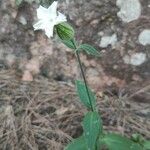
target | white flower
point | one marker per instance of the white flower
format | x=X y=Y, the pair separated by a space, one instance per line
x=48 y=18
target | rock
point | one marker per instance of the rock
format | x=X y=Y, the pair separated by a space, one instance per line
x=144 y=37
x=92 y=72
x=33 y=66
x=93 y=21
x=1 y=54
x=27 y=76
x=10 y=59
x=129 y=10
x=22 y=20
x=95 y=82
x=135 y=59
x=136 y=77
x=4 y=24
x=108 y=40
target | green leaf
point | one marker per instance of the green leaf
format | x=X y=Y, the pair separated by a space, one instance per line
x=92 y=126
x=69 y=43
x=89 y=49
x=64 y=31
x=118 y=142
x=137 y=138
x=18 y=2
x=100 y=144
x=77 y=144
x=83 y=95
x=146 y=145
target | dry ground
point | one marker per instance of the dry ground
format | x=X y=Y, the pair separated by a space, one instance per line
x=46 y=114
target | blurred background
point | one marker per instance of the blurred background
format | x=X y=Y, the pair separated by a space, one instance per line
x=39 y=108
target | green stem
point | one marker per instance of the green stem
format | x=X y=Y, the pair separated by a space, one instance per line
x=82 y=72
x=84 y=78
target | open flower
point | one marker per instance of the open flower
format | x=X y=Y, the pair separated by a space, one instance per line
x=48 y=18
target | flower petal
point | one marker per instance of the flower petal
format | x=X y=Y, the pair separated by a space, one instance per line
x=42 y=12
x=48 y=18
x=49 y=31
x=53 y=8
x=60 y=18
x=38 y=26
